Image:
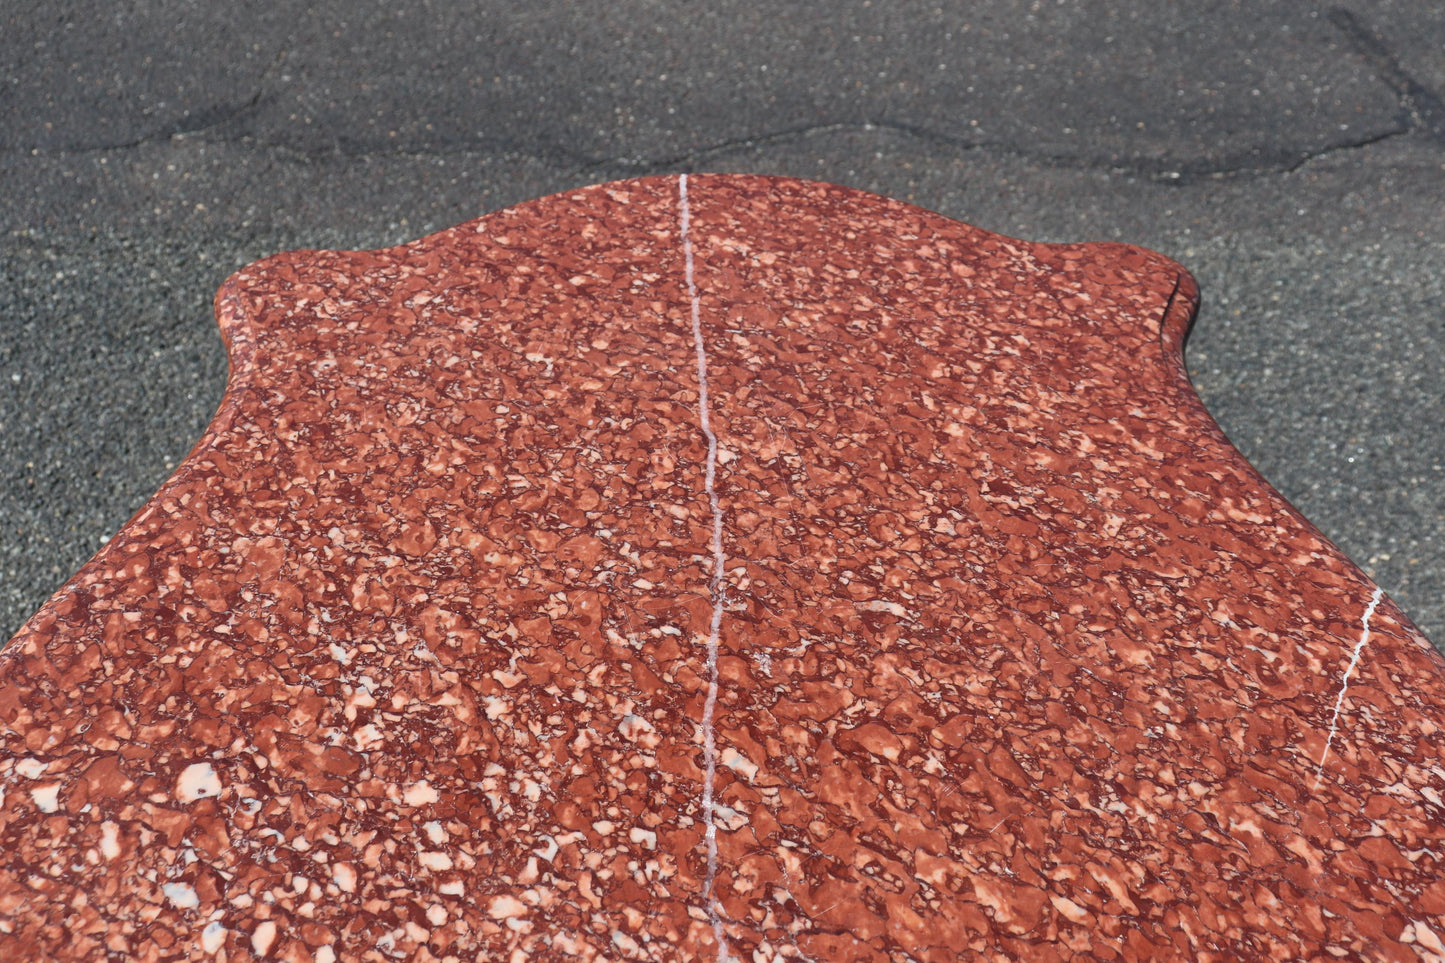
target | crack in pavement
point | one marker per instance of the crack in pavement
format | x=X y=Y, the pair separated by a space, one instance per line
x=203 y=121
x=1420 y=111
x=1284 y=163
x=578 y=164
x=1425 y=110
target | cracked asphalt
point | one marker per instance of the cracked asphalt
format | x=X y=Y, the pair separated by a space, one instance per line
x=1291 y=155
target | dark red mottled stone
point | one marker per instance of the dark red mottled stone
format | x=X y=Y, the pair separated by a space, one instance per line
x=1016 y=657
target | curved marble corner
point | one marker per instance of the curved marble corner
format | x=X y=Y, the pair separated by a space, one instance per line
x=718 y=567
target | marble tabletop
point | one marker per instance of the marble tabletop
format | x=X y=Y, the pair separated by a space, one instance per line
x=718 y=567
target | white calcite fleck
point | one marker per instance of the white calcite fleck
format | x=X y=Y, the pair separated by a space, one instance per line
x=885 y=607
x=262 y=938
x=636 y=729
x=729 y=818
x=30 y=768
x=421 y=793
x=197 y=781
x=46 y=797
x=181 y=895
x=739 y=763
x=506 y=907
x=368 y=737
x=213 y=937
x=344 y=875
x=1420 y=933
x=625 y=942
x=109 y=840
x=438 y=862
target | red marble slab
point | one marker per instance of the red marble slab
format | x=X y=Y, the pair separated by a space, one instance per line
x=709 y=568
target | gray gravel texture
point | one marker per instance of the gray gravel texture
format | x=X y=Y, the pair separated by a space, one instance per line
x=1291 y=155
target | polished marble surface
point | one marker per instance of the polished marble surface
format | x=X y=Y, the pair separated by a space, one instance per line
x=687 y=568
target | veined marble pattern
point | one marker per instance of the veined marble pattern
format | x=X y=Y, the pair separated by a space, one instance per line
x=708 y=568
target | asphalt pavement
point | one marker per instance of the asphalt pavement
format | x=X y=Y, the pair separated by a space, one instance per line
x=1291 y=155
